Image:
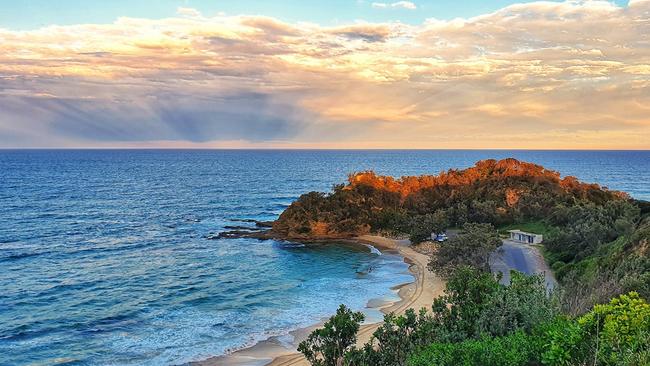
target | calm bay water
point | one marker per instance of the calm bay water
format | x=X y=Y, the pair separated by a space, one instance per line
x=104 y=261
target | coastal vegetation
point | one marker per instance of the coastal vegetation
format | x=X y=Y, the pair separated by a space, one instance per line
x=472 y=246
x=328 y=345
x=482 y=322
x=595 y=239
x=496 y=192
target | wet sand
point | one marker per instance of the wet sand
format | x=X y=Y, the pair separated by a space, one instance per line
x=281 y=351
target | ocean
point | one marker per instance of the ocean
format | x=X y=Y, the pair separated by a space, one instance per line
x=104 y=258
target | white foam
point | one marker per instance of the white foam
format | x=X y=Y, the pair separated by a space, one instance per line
x=373 y=250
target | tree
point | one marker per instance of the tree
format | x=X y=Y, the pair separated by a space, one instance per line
x=395 y=340
x=476 y=304
x=423 y=226
x=471 y=247
x=328 y=345
x=456 y=314
x=396 y=221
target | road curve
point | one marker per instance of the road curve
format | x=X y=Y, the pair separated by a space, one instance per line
x=521 y=257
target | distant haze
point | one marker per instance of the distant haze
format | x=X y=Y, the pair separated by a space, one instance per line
x=538 y=75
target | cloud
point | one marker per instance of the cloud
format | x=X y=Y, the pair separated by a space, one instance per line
x=534 y=75
x=190 y=12
x=396 y=5
x=366 y=32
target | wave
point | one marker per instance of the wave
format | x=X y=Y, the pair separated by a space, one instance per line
x=12 y=257
x=374 y=250
x=289 y=245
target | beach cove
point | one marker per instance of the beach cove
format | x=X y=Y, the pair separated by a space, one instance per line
x=417 y=294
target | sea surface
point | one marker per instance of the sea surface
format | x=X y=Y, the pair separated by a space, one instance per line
x=104 y=258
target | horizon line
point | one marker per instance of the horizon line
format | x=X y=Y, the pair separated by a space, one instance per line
x=293 y=149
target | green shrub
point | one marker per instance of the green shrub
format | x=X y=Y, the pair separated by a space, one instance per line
x=395 y=340
x=327 y=346
x=563 y=343
x=474 y=306
x=516 y=349
x=617 y=333
x=523 y=305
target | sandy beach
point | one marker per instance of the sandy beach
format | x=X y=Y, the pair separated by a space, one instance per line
x=276 y=351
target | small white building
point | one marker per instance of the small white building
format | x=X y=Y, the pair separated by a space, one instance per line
x=524 y=237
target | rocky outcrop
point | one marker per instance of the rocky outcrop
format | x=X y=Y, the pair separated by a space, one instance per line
x=491 y=191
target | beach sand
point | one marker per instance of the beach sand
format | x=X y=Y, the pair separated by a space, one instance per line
x=277 y=351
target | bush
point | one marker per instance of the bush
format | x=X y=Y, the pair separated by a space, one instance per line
x=512 y=350
x=585 y=226
x=327 y=346
x=521 y=306
x=457 y=312
x=617 y=333
x=473 y=325
x=474 y=306
x=563 y=343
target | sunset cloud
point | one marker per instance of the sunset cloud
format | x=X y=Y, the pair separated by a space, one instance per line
x=534 y=75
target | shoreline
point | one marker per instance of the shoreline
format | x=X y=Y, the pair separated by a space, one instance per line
x=275 y=351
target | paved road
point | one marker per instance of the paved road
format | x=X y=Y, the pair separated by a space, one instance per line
x=520 y=257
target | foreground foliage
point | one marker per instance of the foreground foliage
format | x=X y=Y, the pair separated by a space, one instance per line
x=617 y=333
x=480 y=322
x=511 y=350
x=475 y=306
x=327 y=346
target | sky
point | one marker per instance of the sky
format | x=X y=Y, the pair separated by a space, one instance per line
x=330 y=74
x=32 y=14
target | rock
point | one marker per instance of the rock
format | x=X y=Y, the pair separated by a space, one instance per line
x=239 y=227
x=236 y=234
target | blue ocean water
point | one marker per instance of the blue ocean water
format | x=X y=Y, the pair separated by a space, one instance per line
x=104 y=261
